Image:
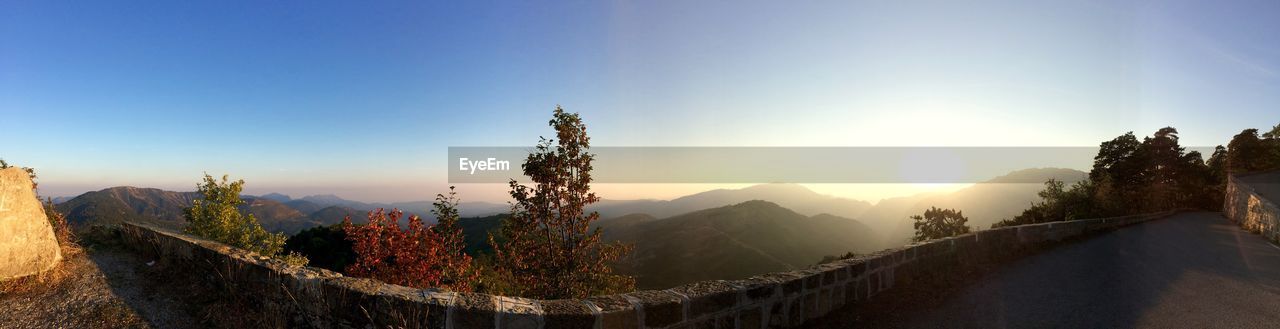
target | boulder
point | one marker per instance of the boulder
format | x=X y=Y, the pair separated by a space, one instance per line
x=27 y=243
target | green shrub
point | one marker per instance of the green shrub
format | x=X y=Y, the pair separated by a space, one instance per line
x=216 y=217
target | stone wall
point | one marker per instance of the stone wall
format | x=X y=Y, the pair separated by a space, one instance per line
x=307 y=296
x=27 y=243
x=1250 y=201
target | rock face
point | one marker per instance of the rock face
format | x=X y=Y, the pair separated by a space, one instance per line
x=27 y=243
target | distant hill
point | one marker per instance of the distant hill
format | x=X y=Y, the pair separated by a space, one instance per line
x=164 y=208
x=983 y=203
x=792 y=196
x=329 y=200
x=732 y=242
x=127 y=203
x=277 y=197
x=728 y=242
x=335 y=214
x=624 y=222
x=277 y=212
x=475 y=232
x=268 y=209
x=303 y=206
x=420 y=208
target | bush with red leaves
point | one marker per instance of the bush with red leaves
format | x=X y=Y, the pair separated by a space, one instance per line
x=418 y=255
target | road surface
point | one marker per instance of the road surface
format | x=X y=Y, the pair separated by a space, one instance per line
x=1192 y=270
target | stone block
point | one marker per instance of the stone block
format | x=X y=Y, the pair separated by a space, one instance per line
x=825 y=300
x=873 y=283
x=726 y=320
x=1006 y=244
x=851 y=291
x=792 y=283
x=519 y=313
x=795 y=311
x=616 y=312
x=777 y=314
x=473 y=311
x=568 y=313
x=862 y=289
x=857 y=267
x=659 y=308
x=967 y=251
x=1033 y=235
x=812 y=278
x=842 y=273
x=708 y=297
x=751 y=318
x=757 y=290
x=829 y=273
x=811 y=301
x=397 y=306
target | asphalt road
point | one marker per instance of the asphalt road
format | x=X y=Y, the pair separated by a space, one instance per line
x=1192 y=270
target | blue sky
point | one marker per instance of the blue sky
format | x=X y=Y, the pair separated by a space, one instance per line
x=363 y=100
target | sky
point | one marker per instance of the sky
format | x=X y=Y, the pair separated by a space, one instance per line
x=363 y=100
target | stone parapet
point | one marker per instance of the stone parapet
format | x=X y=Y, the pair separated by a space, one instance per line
x=313 y=297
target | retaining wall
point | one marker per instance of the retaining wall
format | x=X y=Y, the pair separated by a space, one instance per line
x=1247 y=204
x=313 y=297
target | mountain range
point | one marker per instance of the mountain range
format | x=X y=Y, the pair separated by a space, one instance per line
x=731 y=242
x=984 y=203
x=718 y=234
x=276 y=212
x=728 y=242
x=792 y=196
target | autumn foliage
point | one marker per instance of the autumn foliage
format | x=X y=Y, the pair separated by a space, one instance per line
x=417 y=255
x=544 y=249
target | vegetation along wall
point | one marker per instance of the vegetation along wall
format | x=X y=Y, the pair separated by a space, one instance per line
x=314 y=297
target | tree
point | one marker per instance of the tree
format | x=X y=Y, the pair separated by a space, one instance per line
x=1271 y=140
x=1274 y=133
x=1115 y=158
x=549 y=251
x=1218 y=165
x=1246 y=153
x=216 y=217
x=1057 y=203
x=1172 y=178
x=418 y=255
x=1118 y=174
x=445 y=208
x=457 y=267
x=326 y=247
x=1153 y=175
x=940 y=223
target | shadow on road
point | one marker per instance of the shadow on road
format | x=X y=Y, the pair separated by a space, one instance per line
x=163 y=300
x=1189 y=270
